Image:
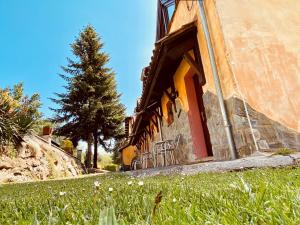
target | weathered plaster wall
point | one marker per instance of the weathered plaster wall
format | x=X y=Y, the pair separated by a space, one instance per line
x=257 y=50
x=128 y=154
x=262 y=41
x=183 y=16
x=180 y=84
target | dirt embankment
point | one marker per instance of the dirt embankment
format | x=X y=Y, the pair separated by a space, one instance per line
x=38 y=160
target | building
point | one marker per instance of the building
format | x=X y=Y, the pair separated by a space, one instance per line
x=224 y=74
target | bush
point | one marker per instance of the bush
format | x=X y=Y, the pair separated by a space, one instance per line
x=18 y=115
x=112 y=167
x=104 y=159
x=67 y=145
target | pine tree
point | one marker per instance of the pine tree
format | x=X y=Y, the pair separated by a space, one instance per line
x=90 y=109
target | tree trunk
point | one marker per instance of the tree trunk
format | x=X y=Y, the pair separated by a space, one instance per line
x=95 y=150
x=89 y=152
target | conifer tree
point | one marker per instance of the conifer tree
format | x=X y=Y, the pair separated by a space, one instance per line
x=90 y=109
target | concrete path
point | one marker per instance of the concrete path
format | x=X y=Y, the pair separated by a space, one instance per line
x=254 y=161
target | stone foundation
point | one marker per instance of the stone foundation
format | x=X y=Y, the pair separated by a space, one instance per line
x=269 y=134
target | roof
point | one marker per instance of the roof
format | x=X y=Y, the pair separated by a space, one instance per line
x=166 y=57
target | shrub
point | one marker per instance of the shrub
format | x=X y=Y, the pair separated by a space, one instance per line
x=18 y=114
x=67 y=145
x=111 y=167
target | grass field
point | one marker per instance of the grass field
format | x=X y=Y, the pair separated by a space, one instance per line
x=269 y=196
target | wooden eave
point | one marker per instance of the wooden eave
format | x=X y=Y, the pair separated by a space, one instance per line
x=166 y=58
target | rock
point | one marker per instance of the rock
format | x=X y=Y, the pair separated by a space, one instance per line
x=72 y=170
x=17 y=173
x=35 y=163
x=5 y=165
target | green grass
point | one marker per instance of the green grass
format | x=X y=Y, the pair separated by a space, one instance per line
x=265 y=196
x=284 y=151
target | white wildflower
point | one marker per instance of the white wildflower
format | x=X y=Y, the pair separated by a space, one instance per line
x=174 y=200
x=129 y=182
x=62 y=193
x=97 y=184
x=247 y=187
x=110 y=189
x=140 y=183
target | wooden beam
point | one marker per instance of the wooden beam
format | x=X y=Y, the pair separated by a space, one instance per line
x=154 y=122
x=172 y=97
x=148 y=131
x=157 y=113
x=189 y=59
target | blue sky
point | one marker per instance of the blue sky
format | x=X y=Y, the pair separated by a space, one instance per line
x=35 y=38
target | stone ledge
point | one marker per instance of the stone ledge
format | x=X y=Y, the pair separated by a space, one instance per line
x=272 y=161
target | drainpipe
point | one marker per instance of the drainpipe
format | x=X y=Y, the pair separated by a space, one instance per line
x=226 y=122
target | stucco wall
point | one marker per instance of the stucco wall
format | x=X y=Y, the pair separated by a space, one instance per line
x=262 y=40
x=257 y=50
x=256 y=42
x=183 y=16
x=128 y=154
x=179 y=84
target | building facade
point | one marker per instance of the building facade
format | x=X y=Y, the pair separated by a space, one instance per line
x=250 y=50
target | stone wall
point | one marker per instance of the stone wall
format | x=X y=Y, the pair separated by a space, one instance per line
x=181 y=126
x=37 y=160
x=270 y=135
x=215 y=126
